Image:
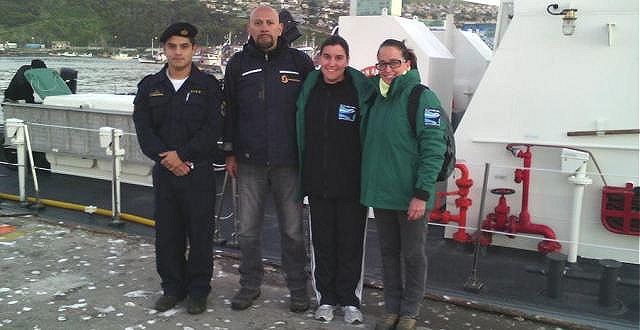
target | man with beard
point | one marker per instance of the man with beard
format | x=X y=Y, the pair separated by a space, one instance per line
x=261 y=87
x=177 y=119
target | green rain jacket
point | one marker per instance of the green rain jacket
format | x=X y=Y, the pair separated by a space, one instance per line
x=365 y=92
x=398 y=164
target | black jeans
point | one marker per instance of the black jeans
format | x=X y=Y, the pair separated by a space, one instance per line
x=184 y=209
x=337 y=233
x=404 y=262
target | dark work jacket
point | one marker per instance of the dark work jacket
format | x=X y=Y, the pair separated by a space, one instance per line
x=332 y=159
x=19 y=88
x=260 y=91
x=187 y=120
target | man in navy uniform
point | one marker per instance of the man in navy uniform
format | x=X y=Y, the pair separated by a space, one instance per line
x=177 y=119
x=262 y=83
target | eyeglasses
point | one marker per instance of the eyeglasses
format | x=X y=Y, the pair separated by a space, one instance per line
x=394 y=64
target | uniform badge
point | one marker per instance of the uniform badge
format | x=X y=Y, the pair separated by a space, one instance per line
x=156 y=92
x=184 y=32
x=432 y=117
x=197 y=91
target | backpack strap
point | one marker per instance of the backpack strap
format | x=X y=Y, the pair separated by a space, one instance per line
x=412 y=106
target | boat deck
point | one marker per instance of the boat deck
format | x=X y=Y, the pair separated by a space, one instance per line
x=510 y=290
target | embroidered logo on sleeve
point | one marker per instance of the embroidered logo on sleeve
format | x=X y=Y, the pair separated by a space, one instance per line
x=432 y=117
x=347 y=112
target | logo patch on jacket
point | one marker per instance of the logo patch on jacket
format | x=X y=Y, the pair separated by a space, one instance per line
x=432 y=117
x=286 y=79
x=347 y=112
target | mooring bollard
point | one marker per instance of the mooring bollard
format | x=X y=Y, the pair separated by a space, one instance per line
x=608 y=282
x=555 y=274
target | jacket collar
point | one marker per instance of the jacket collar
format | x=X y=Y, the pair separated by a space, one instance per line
x=400 y=83
x=196 y=75
x=251 y=48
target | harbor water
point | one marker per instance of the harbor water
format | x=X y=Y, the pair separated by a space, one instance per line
x=95 y=75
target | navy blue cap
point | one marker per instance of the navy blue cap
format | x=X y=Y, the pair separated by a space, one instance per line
x=182 y=29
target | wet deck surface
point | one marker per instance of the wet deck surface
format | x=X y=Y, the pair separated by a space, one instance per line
x=56 y=275
x=509 y=287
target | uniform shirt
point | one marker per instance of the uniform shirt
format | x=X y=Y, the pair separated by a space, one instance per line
x=186 y=120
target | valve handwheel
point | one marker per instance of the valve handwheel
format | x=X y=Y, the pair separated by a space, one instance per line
x=503 y=191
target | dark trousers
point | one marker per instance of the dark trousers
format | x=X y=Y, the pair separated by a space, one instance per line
x=184 y=210
x=337 y=234
x=404 y=261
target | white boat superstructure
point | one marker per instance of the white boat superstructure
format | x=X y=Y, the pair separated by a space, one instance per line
x=542 y=87
x=573 y=99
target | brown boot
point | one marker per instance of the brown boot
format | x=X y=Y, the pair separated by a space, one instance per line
x=388 y=322
x=406 y=322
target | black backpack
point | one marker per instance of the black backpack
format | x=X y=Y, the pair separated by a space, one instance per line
x=450 y=154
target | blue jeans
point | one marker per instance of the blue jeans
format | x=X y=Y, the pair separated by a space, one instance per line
x=254 y=181
x=404 y=262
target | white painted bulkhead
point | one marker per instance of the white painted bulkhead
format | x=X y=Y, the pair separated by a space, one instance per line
x=542 y=84
x=435 y=63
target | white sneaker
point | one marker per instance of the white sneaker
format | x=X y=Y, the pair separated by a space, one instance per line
x=352 y=314
x=325 y=313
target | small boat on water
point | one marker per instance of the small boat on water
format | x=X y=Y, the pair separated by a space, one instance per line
x=121 y=57
x=153 y=59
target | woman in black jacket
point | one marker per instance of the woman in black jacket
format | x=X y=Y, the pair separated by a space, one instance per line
x=328 y=124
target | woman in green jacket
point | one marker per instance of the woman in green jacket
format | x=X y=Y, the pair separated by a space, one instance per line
x=330 y=107
x=400 y=165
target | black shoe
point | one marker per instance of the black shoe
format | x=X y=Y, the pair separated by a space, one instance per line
x=166 y=303
x=244 y=298
x=299 y=301
x=196 y=304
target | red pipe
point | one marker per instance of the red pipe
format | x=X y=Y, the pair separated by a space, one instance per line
x=501 y=221
x=464 y=184
x=523 y=175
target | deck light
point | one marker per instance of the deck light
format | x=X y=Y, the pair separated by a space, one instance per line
x=569 y=19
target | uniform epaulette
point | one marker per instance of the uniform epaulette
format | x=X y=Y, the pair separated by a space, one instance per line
x=146 y=79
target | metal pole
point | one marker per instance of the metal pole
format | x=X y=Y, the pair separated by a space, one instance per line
x=38 y=205
x=14 y=134
x=22 y=173
x=473 y=284
x=234 y=235
x=217 y=240
x=115 y=182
